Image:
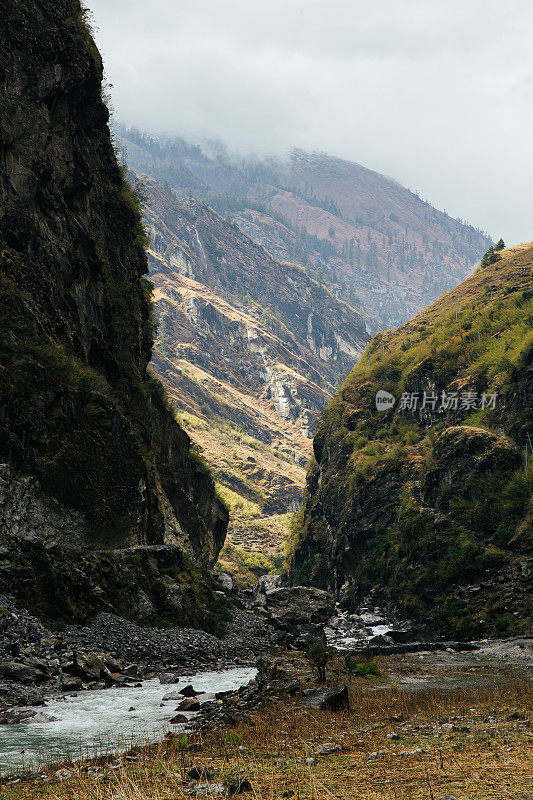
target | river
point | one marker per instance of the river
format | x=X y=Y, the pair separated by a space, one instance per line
x=92 y=722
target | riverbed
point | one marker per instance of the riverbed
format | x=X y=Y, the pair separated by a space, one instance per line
x=106 y=721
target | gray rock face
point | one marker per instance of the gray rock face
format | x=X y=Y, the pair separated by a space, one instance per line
x=333 y=699
x=299 y=605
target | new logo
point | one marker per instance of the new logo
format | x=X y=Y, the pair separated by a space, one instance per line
x=384 y=400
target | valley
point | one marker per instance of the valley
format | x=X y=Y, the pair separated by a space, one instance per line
x=266 y=459
x=250 y=351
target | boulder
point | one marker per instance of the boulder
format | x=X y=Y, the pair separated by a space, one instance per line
x=332 y=699
x=299 y=605
x=225 y=580
x=71 y=684
x=88 y=666
x=401 y=636
x=265 y=584
x=179 y=719
x=25 y=716
x=172 y=696
x=188 y=691
x=190 y=704
x=380 y=640
x=169 y=677
x=17 y=671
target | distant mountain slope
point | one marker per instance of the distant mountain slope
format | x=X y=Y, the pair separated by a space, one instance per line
x=427 y=505
x=371 y=241
x=250 y=350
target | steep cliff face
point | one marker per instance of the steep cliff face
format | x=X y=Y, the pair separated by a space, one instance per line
x=425 y=503
x=80 y=416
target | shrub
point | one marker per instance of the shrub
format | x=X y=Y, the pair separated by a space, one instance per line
x=318 y=655
x=361 y=668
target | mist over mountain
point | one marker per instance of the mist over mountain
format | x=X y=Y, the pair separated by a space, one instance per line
x=369 y=240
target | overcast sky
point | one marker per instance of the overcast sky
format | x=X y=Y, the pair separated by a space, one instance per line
x=435 y=93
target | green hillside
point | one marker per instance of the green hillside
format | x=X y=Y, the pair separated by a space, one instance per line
x=427 y=507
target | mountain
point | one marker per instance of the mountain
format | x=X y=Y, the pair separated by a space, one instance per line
x=250 y=351
x=427 y=507
x=103 y=506
x=369 y=240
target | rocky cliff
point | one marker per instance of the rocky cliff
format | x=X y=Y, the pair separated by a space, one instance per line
x=423 y=501
x=102 y=503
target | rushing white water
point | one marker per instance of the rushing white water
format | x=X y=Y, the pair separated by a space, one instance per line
x=100 y=721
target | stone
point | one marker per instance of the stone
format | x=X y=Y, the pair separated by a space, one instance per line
x=199 y=774
x=265 y=584
x=225 y=580
x=298 y=605
x=71 y=683
x=207 y=790
x=327 y=749
x=169 y=677
x=188 y=691
x=25 y=716
x=333 y=699
x=90 y=666
x=237 y=785
x=379 y=641
x=172 y=696
x=190 y=704
x=179 y=719
x=17 y=671
x=401 y=636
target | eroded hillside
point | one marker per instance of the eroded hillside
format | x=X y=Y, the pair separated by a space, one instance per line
x=250 y=350
x=426 y=505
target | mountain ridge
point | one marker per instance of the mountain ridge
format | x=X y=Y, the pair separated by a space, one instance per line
x=250 y=351
x=373 y=242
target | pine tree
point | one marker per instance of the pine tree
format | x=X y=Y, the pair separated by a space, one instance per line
x=500 y=245
x=490 y=257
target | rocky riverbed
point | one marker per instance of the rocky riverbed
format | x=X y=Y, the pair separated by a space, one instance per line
x=41 y=667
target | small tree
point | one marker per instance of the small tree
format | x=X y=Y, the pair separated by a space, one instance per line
x=318 y=655
x=490 y=257
x=500 y=245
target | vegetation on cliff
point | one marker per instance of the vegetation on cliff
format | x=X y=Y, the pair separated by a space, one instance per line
x=427 y=505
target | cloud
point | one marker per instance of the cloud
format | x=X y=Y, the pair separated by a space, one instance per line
x=437 y=95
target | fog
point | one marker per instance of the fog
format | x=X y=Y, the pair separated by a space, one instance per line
x=438 y=95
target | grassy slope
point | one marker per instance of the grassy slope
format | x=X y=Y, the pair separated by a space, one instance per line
x=456 y=501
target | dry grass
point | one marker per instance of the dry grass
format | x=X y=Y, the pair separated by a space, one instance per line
x=460 y=744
